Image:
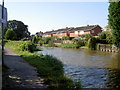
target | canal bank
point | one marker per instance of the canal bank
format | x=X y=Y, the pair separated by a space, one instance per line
x=95 y=69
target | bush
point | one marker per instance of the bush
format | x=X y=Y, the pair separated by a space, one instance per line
x=86 y=37
x=92 y=43
x=47 y=39
x=27 y=46
x=65 y=38
x=10 y=34
x=105 y=37
x=69 y=45
x=51 y=44
x=102 y=35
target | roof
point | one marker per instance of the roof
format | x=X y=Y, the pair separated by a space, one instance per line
x=85 y=28
x=72 y=29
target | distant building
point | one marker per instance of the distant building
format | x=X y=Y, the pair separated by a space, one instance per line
x=39 y=33
x=74 y=32
x=94 y=30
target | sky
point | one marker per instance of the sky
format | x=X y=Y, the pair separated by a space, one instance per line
x=47 y=16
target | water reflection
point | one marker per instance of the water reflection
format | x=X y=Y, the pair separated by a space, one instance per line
x=114 y=79
x=95 y=69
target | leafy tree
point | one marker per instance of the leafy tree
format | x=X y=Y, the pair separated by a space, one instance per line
x=102 y=35
x=19 y=28
x=114 y=21
x=10 y=34
x=105 y=37
x=108 y=27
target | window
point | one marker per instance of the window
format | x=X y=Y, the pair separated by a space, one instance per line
x=76 y=32
x=92 y=31
x=81 y=32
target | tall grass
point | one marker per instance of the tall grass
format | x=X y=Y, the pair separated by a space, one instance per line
x=48 y=67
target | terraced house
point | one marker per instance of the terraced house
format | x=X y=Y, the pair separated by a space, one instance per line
x=74 y=32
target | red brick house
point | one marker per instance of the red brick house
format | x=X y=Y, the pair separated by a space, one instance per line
x=89 y=29
x=57 y=33
x=74 y=32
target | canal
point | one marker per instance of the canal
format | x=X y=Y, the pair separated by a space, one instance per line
x=95 y=69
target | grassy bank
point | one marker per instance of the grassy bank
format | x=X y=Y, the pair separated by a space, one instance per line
x=47 y=66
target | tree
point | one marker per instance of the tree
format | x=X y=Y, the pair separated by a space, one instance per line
x=19 y=28
x=10 y=34
x=114 y=21
x=102 y=35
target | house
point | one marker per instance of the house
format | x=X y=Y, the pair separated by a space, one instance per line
x=74 y=32
x=89 y=29
x=57 y=33
x=48 y=34
x=39 y=33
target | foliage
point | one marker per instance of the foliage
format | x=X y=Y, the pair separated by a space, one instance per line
x=34 y=39
x=46 y=40
x=51 y=44
x=105 y=37
x=109 y=37
x=10 y=34
x=65 y=38
x=92 y=43
x=69 y=45
x=114 y=21
x=47 y=66
x=102 y=35
x=86 y=36
x=19 y=28
x=27 y=46
x=75 y=44
x=108 y=27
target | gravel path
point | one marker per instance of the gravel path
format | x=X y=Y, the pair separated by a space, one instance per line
x=21 y=72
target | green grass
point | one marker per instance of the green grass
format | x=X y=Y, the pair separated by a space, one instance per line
x=48 y=67
x=69 y=45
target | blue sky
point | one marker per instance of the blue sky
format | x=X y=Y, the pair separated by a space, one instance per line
x=45 y=16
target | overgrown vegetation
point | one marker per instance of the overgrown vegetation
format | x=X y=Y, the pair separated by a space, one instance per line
x=75 y=44
x=47 y=66
x=10 y=34
x=114 y=21
x=92 y=43
x=20 y=29
x=105 y=37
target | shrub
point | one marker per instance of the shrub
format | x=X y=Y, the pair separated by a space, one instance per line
x=102 y=35
x=86 y=37
x=69 y=45
x=105 y=37
x=65 y=38
x=92 y=43
x=51 y=44
x=27 y=46
x=10 y=34
x=47 y=39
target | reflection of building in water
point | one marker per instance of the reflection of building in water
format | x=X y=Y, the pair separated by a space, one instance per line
x=4 y=20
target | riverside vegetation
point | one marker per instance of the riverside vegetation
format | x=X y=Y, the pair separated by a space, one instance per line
x=47 y=66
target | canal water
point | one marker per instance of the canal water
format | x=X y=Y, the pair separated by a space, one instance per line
x=95 y=69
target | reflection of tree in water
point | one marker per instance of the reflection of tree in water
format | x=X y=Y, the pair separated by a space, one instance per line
x=114 y=79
